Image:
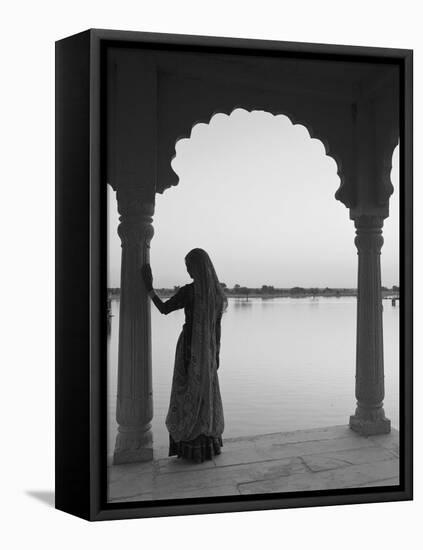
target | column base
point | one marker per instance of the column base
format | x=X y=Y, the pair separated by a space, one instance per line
x=133 y=445
x=370 y=422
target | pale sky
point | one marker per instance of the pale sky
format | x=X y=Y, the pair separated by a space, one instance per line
x=257 y=193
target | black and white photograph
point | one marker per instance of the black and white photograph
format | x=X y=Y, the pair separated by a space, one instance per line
x=253 y=273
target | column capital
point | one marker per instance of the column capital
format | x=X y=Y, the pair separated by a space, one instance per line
x=368 y=234
x=135 y=232
x=136 y=216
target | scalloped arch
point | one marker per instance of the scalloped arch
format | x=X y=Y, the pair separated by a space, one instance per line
x=294 y=120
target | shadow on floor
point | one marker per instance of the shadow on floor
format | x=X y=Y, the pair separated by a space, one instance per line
x=46 y=497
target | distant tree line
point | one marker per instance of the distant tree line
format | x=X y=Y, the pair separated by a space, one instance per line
x=270 y=290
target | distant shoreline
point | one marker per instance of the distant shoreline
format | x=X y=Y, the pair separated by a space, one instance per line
x=295 y=292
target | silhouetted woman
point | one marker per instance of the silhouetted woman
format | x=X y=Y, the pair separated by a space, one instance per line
x=195 y=417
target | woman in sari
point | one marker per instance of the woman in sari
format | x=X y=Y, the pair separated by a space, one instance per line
x=195 y=417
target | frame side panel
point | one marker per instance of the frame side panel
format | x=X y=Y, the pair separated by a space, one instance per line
x=72 y=275
x=406 y=273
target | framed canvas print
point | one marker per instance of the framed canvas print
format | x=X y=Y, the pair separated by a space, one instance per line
x=234 y=274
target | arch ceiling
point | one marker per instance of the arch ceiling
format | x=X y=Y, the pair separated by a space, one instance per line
x=352 y=107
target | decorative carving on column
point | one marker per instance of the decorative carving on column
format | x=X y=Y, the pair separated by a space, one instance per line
x=134 y=410
x=369 y=417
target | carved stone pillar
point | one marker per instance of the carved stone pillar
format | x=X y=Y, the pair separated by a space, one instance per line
x=369 y=417
x=134 y=410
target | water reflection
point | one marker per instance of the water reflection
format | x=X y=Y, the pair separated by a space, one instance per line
x=241 y=303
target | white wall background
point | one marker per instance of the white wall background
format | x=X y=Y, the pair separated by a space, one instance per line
x=29 y=30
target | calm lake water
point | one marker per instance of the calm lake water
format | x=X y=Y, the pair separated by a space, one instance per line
x=285 y=364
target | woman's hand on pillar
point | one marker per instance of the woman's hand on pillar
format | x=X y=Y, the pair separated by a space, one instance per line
x=147 y=276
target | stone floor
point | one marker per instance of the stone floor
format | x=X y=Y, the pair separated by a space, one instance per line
x=323 y=458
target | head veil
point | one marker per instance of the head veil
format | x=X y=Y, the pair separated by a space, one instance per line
x=200 y=395
x=210 y=300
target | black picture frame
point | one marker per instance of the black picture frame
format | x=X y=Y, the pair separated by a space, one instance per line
x=81 y=286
